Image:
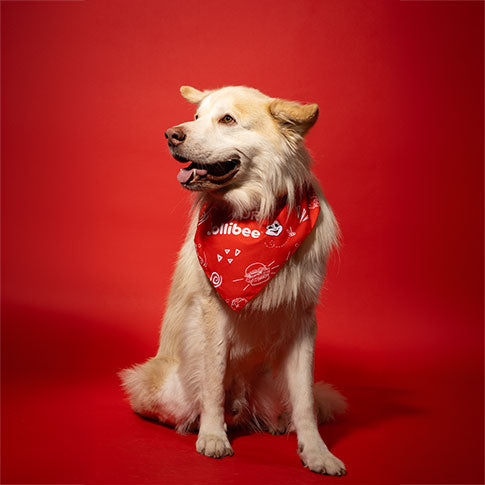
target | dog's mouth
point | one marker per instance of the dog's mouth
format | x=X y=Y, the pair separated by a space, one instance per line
x=205 y=176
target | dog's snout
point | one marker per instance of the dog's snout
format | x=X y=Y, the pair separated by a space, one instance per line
x=175 y=136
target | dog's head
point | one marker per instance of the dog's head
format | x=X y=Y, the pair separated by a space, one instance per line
x=243 y=146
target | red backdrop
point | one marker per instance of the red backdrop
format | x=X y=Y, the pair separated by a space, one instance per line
x=93 y=217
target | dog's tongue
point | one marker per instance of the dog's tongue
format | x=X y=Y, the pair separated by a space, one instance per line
x=185 y=174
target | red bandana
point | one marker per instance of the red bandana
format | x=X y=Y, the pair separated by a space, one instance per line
x=240 y=256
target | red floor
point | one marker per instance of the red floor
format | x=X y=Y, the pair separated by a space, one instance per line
x=413 y=418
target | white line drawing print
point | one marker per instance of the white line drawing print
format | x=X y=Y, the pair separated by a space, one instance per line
x=237 y=252
x=304 y=216
x=220 y=257
x=313 y=204
x=238 y=303
x=202 y=260
x=301 y=214
x=272 y=244
x=216 y=279
x=258 y=273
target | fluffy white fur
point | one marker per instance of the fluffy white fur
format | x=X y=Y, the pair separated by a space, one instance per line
x=215 y=368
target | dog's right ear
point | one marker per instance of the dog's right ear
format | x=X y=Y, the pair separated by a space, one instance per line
x=193 y=95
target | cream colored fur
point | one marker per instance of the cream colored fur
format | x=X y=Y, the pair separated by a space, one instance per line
x=215 y=367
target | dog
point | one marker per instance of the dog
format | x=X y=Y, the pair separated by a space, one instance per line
x=237 y=342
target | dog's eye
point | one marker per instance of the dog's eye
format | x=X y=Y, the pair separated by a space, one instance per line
x=196 y=117
x=227 y=120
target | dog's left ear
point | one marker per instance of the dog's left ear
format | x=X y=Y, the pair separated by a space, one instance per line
x=193 y=95
x=294 y=116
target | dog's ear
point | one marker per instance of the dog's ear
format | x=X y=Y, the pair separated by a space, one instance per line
x=193 y=95
x=294 y=116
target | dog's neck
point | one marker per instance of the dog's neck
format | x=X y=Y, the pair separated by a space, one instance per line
x=239 y=204
x=289 y=177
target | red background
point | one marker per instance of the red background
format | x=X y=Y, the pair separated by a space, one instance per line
x=93 y=217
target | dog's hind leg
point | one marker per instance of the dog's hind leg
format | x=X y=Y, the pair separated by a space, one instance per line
x=266 y=403
x=268 y=410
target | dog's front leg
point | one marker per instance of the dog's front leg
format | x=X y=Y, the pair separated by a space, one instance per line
x=212 y=440
x=299 y=373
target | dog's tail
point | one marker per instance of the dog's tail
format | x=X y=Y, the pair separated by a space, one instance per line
x=143 y=384
x=329 y=402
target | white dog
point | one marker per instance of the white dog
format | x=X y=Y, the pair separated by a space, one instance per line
x=238 y=335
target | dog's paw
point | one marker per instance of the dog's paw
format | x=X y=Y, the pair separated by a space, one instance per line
x=320 y=460
x=215 y=446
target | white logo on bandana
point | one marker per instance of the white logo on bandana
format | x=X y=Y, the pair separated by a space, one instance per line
x=274 y=229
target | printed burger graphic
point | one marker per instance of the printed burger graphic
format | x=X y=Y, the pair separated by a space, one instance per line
x=241 y=256
x=258 y=274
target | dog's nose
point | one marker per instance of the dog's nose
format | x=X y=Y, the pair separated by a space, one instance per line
x=175 y=136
